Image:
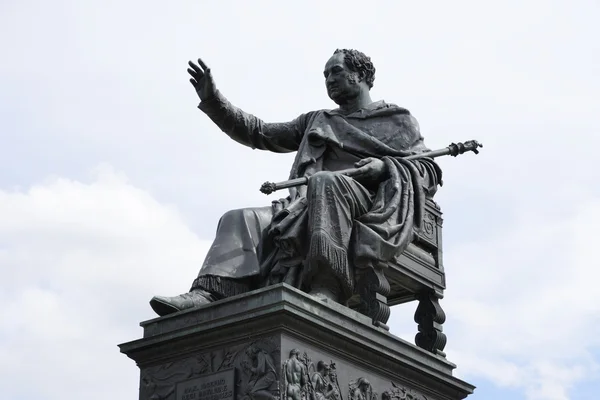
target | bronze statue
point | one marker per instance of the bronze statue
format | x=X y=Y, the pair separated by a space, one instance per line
x=325 y=235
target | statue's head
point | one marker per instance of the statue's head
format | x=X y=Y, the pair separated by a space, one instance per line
x=347 y=74
x=323 y=367
x=294 y=352
x=363 y=384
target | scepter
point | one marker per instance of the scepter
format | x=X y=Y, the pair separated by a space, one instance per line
x=453 y=150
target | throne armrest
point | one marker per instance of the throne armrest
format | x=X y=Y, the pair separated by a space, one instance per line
x=419 y=268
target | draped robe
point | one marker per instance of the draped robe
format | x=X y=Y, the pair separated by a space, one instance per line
x=335 y=225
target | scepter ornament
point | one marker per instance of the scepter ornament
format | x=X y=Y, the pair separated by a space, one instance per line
x=454 y=149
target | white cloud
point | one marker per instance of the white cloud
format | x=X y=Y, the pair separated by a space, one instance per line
x=523 y=308
x=79 y=263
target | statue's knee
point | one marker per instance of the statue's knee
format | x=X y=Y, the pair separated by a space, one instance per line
x=245 y=214
x=232 y=214
x=323 y=178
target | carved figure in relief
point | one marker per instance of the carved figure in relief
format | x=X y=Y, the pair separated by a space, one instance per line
x=361 y=389
x=263 y=376
x=395 y=395
x=294 y=377
x=401 y=393
x=334 y=391
x=320 y=381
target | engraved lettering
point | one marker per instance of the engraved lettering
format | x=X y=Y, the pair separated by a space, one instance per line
x=216 y=386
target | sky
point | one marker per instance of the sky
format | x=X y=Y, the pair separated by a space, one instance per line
x=112 y=181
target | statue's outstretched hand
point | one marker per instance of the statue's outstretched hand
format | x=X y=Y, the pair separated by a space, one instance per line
x=368 y=170
x=202 y=80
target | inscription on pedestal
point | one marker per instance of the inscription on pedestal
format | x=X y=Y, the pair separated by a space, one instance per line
x=217 y=386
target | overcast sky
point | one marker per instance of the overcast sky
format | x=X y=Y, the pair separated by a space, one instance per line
x=112 y=181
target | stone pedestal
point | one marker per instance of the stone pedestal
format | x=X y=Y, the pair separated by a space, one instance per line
x=280 y=343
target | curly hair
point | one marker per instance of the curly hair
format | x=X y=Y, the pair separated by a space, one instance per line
x=359 y=62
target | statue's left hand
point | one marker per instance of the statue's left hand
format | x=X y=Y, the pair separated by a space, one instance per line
x=368 y=169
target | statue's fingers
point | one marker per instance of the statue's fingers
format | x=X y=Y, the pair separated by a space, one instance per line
x=203 y=65
x=193 y=82
x=362 y=162
x=196 y=75
x=195 y=67
x=355 y=172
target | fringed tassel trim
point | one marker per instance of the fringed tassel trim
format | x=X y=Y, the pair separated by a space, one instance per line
x=223 y=287
x=323 y=249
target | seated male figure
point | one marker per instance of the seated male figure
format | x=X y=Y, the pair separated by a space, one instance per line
x=324 y=235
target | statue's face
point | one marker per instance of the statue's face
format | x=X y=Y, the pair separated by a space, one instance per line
x=341 y=82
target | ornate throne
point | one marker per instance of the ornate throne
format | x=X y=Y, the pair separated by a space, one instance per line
x=415 y=274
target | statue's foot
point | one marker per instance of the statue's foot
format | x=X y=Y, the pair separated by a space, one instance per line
x=163 y=305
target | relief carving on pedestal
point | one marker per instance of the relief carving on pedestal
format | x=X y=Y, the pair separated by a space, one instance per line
x=260 y=375
x=401 y=393
x=303 y=380
x=361 y=389
x=254 y=369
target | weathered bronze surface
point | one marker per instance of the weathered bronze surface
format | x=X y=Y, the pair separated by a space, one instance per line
x=360 y=199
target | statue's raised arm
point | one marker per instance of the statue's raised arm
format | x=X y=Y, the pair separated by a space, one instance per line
x=243 y=127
